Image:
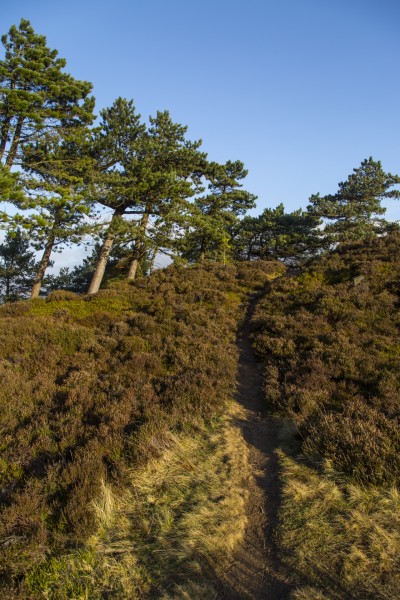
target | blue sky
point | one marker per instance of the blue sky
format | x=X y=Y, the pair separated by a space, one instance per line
x=300 y=90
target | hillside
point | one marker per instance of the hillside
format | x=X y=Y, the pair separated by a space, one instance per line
x=129 y=470
x=329 y=340
x=102 y=396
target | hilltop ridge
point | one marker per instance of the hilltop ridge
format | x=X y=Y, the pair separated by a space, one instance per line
x=128 y=470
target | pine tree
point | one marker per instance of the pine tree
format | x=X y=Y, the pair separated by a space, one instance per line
x=275 y=234
x=171 y=167
x=354 y=212
x=36 y=95
x=60 y=171
x=116 y=140
x=17 y=267
x=42 y=109
x=214 y=215
x=146 y=172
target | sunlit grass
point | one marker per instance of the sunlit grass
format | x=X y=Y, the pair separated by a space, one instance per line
x=169 y=533
x=344 y=539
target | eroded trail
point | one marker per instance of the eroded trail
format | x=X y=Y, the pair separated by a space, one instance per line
x=255 y=572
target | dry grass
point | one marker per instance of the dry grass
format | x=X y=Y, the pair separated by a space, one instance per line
x=341 y=538
x=169 y=533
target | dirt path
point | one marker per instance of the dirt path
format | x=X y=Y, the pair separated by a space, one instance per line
x=255 y=572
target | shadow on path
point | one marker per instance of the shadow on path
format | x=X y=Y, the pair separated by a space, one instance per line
x=255 y=572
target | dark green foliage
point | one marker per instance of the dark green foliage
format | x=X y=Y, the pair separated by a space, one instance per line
x=17 y=267
x=145 y=171
x=35 y=93
x=330 y=341
x=208 y=231
x=354 y=212
x=98 y=381
x=290 y=237
x=10 y=189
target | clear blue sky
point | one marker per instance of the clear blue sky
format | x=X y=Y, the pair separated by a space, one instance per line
x=300 y=90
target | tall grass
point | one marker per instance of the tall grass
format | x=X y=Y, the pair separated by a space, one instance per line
x=167 y=531
x=344 y=539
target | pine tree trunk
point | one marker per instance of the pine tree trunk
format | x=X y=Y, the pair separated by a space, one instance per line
x=44 y=263
x=6 y=126
x=133 y=267
x=138 y=249
x=104 y=254
x=4 y=135
x=8 y=288
x=15 y=142
x=202 y=254
x=153 y=260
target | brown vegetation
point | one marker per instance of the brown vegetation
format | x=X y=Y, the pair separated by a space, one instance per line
x=93 y=386
x=329 y=340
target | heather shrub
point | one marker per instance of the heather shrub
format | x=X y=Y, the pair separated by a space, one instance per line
x=257 y=273
x=329 y=339
x=58 y=295
x=360 y=441
x=91 y=386
x=14 y=309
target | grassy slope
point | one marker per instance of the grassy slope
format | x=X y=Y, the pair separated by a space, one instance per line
x=106 y=403
x=331 y=345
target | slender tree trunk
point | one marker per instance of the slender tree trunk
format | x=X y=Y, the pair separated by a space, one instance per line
x=133 y=267
x=153 y=260
x=6 y=126
x=224 y=245
x=202 y=254
x=139 y=248
x=15 y=142
x=8 y=287
x=104 y=254
x=4 y=135
x=44 y=263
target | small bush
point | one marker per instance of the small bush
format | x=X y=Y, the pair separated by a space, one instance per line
x=360 y=442
x=61 y=295
x=14 y=309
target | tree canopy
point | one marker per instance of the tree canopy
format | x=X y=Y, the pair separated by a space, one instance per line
x=156 y=191
x=36 y=95
x=17 y=266
x=355 y=211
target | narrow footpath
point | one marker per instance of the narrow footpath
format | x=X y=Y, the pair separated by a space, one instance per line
x=255 y=572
